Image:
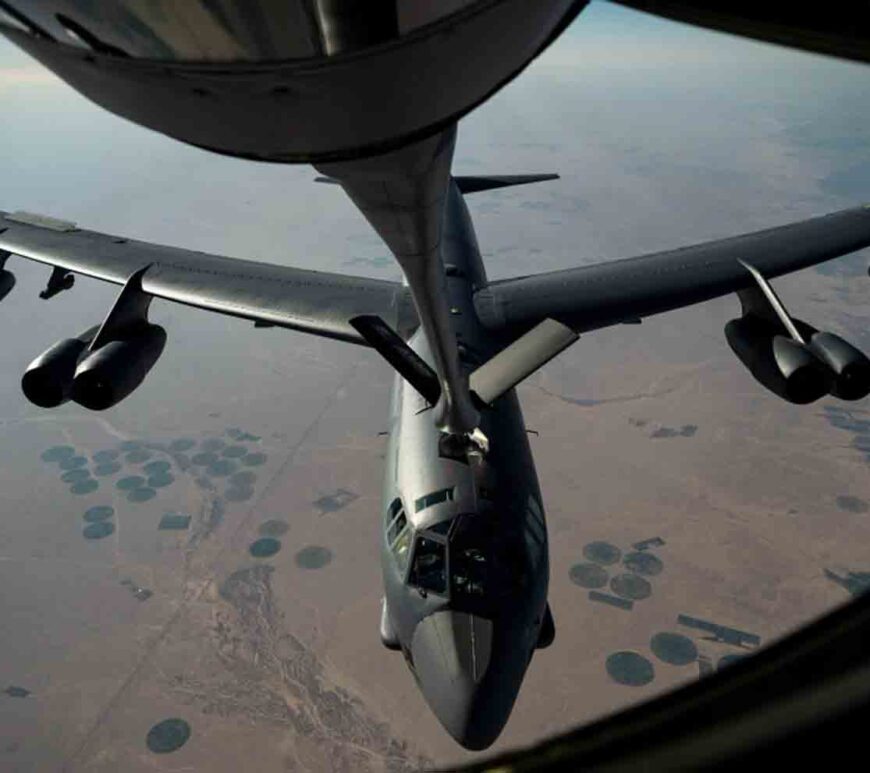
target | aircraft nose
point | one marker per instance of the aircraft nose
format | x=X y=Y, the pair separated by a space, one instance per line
x=452 y=652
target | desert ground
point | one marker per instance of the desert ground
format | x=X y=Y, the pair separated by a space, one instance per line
x=273 y=656
x=190 y=580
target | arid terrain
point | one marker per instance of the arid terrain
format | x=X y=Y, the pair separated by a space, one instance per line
x=190 y=580
x=276 y=657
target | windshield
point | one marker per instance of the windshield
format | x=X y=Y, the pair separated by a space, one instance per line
x=398 y=533
x=470 y=557
x=429 y=569
x=482 y=564
x=469 y=572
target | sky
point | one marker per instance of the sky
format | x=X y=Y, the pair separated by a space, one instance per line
x=635 y=113
x=663 y=135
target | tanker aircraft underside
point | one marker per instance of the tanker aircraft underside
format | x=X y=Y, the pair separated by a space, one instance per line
x=463 y=535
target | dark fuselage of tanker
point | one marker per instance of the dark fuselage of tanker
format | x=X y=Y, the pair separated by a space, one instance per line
x=464 y=545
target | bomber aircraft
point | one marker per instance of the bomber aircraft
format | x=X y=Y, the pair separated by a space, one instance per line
x=371 y=93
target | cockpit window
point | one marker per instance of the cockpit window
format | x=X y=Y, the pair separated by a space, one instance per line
x=396 y=527
x=400 y=548
x=398 y=533
x=470 y=558
x=393 y=509
x=468 y=572
x=442 y=527
x=436 y=497
x=429 y=568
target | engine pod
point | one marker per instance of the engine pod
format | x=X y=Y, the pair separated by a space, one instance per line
x=48 y=379
x=850 y=366
x=784 y=366
x=806 y=378
x=111 y=373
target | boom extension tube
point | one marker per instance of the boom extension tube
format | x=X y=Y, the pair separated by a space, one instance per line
x=407 y=363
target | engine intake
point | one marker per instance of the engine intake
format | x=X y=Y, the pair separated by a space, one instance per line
x=48 y=379
x=785 y=367
x=47 y=382
x=108 y=375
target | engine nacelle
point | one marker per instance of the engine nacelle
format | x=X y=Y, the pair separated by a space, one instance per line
x=47 y=382
x=850 y=365
x=108 y=375
x=7 y=282
x=785 y=367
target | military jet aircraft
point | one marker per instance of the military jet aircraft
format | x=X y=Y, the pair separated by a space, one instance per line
x=372 y=97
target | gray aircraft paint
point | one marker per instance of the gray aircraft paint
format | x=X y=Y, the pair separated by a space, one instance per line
x=468 y=655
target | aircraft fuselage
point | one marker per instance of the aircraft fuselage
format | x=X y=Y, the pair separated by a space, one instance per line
x=464 y=546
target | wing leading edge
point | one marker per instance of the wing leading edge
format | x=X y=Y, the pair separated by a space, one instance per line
x=584 y=298
x=603 y=294
x=309 y=301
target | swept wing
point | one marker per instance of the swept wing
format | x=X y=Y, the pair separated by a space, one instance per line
x=603 y=294
x=310 y=301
